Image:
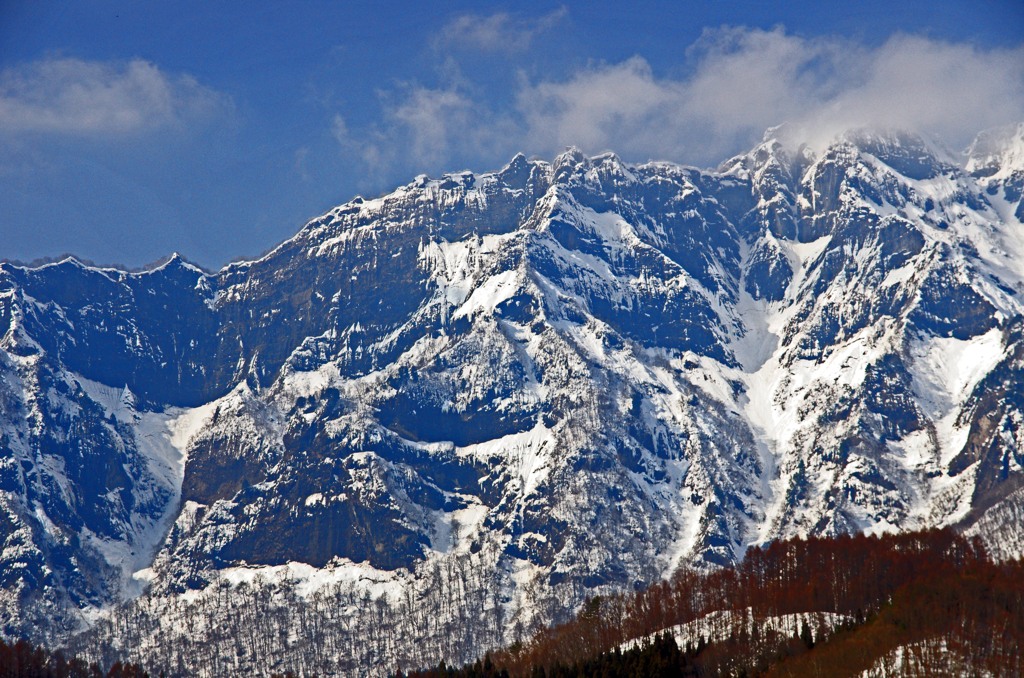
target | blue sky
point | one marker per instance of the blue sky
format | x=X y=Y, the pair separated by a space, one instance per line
x=129 y=130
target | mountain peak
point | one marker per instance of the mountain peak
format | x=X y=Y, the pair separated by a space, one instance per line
x=776 y=132
x=997 y=151
x=905 y=151
x=518 y=160
x=517 y=172
x=569 y=161
x=175 y=262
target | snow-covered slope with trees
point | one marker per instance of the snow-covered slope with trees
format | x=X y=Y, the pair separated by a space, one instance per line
x=430 y=421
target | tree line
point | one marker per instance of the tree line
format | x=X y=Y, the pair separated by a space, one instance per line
x=935 y=597
x=22 y=659
x=933 y=601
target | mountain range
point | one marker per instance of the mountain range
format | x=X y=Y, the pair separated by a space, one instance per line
x=437 y=420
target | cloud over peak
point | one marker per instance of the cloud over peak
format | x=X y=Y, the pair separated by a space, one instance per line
x=744 y=81
x=737 y=83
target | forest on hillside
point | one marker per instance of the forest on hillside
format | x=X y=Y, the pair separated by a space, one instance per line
x=924 y=603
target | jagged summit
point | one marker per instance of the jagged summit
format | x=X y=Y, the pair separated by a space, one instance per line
x=999 y=150
x=558 y=379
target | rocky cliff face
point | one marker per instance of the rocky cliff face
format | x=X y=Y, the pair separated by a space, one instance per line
x=548 y=381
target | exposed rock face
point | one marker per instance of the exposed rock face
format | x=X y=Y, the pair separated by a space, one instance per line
x=574 y=376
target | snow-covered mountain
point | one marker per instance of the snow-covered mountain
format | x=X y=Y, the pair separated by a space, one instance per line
x=448 y=412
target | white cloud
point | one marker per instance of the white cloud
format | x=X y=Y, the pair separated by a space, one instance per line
x=499 y=32
x=949 y=90
x=745 y=81
x=739 y=83
x=425 y=129
x=435 y=121
x=621 y=106
x=72 y=96
x=339 y=130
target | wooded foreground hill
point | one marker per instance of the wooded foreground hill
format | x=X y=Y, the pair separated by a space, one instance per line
x=924 y=603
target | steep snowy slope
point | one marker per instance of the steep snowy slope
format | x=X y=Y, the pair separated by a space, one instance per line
x=905 y=289
x=446 y=412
